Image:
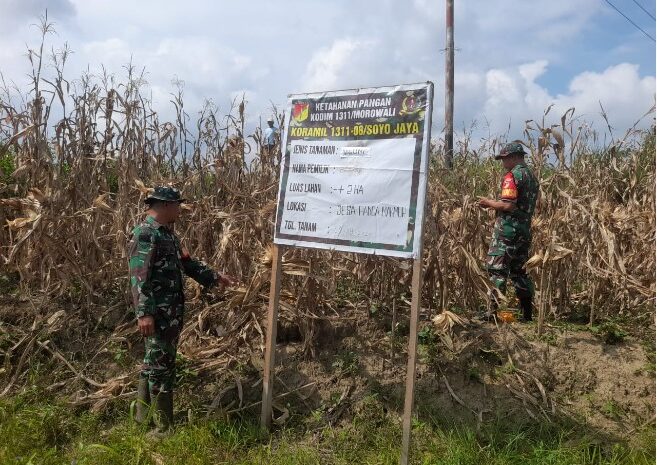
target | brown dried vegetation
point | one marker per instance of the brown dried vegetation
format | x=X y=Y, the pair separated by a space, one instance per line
x=72 y=187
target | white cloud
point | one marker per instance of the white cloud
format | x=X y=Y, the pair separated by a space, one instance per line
x=531 y=71
x=513 y=58
x=205 y=68
x=330 y=67
x=526 y=24
x=112 y=52
x=624 y=94
x=502 y=90
x=513 y=96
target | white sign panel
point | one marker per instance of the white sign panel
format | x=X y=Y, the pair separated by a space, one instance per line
x=353 y=174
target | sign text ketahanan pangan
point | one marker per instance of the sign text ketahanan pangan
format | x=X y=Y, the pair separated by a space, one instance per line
x=354 y=169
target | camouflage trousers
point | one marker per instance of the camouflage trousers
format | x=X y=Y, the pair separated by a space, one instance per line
x=505 y=261
x=159 y=365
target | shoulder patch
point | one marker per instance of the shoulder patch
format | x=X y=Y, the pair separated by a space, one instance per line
x=509 y=187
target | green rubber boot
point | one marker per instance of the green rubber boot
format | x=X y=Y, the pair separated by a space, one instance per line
x=143 y=404
x=163 y=415
x=526 y=306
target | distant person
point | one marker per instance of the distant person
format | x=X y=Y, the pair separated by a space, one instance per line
x=509 y=246
x=157 y=263
x=270 y=137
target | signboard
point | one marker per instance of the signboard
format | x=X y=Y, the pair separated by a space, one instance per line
x=354 y=170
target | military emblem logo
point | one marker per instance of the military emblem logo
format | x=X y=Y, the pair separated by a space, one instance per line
x=300 y=112
x=411 y=104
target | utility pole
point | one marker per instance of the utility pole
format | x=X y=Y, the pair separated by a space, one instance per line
x=449 y=84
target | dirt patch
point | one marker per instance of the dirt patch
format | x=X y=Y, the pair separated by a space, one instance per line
x=611 y=386
x=481 y=373
x=478 y=373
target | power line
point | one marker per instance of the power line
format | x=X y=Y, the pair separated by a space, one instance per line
x=631 y=22
x=647 y=12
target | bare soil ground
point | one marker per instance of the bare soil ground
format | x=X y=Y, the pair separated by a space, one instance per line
x=486 y=372
x=482 y=372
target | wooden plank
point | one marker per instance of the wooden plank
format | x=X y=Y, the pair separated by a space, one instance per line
x=270 y=347
x=409 y=398
x=416 y=289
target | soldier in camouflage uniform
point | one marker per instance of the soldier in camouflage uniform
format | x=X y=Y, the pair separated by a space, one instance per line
x=509 y=247
x=157 y=263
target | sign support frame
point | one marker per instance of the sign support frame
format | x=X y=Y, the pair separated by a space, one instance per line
x=409 y=396
x=416 y=290
x=270 y=347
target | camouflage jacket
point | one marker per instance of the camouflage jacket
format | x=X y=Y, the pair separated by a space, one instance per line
x=157 y=263
x=519 y=186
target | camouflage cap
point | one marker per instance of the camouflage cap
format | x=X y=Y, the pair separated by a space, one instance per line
x=165 y=194
x=510 y=149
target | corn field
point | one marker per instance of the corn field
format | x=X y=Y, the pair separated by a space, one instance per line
x=72 y=187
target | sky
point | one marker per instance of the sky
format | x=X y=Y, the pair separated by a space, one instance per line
x=514 y=58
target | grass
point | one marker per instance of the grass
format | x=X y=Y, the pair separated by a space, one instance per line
x=609 y=332
x=649 y=347
x=7 y=164
x=612 y=409
x=45 y=432
x=346 y=363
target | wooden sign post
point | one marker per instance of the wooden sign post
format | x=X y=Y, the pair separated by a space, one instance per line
x=270 y=348
x=409 y=396
x=353 y=178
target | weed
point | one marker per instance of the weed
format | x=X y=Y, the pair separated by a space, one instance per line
x=8 y=283
x=649 y=348
x=120 y=354
x=612 y=409
x=346 y=363
x=184 y=372
x=609 y=332
x=474 y=373
x=426 y=336
x=507 y=369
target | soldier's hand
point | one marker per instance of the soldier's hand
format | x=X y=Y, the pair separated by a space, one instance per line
x=483 y=202
x=224 y=280
x=146 y=325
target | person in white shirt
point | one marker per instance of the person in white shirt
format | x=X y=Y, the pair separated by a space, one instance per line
x=270 y=134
